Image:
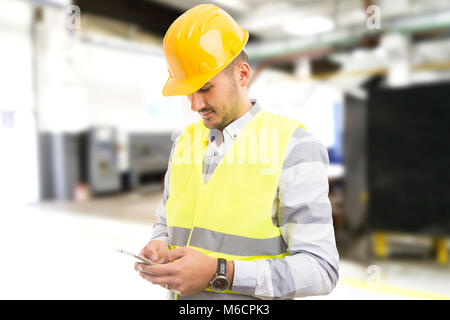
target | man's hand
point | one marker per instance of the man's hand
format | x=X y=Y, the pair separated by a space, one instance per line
x=155 y=250
x=189 y=271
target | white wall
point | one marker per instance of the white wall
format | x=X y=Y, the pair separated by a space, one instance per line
x=18 y=153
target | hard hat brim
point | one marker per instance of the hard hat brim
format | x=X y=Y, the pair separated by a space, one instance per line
x=182 y=88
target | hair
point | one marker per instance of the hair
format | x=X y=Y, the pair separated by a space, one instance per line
x=242 y=56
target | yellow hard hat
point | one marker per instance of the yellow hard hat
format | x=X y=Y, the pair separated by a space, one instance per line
x=198 y=45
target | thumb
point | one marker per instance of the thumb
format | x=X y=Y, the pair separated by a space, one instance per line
x=151 y=253
x=175 y=254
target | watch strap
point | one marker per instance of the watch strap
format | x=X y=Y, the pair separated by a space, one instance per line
x=221 y=267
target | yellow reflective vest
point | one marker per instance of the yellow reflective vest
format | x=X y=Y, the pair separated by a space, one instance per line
x=229 y=216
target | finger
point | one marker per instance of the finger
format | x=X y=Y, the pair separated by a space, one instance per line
x=161 y=257
x=142 y=254
x=137 y=264
x=150 y=252
x=175 y=254
x=159 y=252
x=158 y=270
x=162 y=281
x=156 y=280
x=141 y=269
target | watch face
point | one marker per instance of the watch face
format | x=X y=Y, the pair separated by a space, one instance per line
x=220 y=283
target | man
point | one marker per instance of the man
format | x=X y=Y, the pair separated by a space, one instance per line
x=245 y=212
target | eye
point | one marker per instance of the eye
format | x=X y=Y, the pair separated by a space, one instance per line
x=204 y=90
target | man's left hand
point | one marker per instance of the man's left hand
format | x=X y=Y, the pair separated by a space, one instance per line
x=188 y=271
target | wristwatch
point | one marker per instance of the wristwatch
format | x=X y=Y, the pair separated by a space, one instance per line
x=220 y=281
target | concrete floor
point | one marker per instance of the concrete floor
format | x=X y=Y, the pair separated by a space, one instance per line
x=69 y=251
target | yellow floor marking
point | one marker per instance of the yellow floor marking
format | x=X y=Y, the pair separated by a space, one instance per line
x=389 y=289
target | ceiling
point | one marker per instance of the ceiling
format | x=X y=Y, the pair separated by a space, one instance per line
x=272 y=44
x=265 y=19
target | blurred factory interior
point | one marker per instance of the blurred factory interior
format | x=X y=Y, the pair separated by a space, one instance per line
x=85 y=135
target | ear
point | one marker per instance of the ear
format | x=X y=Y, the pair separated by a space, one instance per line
x=244 y=72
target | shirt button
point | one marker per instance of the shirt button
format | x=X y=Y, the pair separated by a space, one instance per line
x=215 y=153
x=213 y=138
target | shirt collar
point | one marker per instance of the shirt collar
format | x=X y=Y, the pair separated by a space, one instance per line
x=235 y=127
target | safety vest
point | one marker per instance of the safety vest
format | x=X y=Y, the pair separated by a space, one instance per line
x=229 y=216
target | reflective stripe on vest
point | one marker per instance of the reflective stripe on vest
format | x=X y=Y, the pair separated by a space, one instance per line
x=230 y=215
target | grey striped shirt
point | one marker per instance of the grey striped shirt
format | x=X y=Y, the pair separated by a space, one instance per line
x=301 y=208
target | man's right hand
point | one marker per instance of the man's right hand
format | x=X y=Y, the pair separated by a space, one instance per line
x=155 y=250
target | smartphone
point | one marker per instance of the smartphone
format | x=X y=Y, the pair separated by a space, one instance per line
x=143 y=260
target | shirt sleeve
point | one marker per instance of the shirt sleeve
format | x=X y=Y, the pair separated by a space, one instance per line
x=303 y=212
x=160 y=226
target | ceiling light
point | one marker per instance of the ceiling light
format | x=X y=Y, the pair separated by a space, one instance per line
x=308 y=26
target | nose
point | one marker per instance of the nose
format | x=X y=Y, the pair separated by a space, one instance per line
x=197 y=101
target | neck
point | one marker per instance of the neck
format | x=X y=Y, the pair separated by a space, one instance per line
x=243 y=108
x=247 y=105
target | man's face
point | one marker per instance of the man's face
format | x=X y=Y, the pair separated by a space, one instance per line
x=217 y=101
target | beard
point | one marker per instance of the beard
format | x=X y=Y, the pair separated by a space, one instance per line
x=231 y=110
x=224 y=115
